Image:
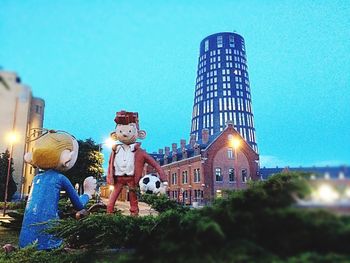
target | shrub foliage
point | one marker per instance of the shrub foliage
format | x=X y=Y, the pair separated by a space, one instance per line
x=259 y=224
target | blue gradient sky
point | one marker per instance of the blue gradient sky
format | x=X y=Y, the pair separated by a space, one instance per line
x=88 y=59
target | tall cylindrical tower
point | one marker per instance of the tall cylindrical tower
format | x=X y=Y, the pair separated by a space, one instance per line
x=222 y=90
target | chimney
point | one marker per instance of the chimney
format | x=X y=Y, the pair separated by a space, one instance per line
x=183 y=148
x=167 y=151
x=192 y=140
x=205 y=136
x=160 y=151
x=197 y=149
x=174 y=148
x=183 y=144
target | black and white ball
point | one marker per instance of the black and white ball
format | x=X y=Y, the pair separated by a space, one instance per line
x=151 y=184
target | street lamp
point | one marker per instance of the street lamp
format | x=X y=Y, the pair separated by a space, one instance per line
x=12 y=139
x=108 y=142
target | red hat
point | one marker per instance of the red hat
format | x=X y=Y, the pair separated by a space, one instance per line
x=126 y=117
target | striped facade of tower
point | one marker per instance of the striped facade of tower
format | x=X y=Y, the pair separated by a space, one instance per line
x=222 y=92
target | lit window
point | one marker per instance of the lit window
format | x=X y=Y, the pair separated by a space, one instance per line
x=218 y=175
x=243 y=47
x=219 y=41
x=206 y=45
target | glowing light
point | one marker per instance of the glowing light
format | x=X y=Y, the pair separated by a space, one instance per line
x=109 y=142
x=327 y=194
x=111 y=187
x=347 y=193
x=236 y=143
x=12 y=137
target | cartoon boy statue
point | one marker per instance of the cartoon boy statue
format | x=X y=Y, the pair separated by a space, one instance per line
x=127 y=160
x=53 y=152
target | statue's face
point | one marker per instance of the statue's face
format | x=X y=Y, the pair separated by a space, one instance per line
x=127 y=133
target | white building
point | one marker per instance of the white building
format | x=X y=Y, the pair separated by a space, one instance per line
x=19 y=111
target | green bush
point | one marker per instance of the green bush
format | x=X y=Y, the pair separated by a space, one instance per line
x=32 y=255
x=104 y=230
x=161 y=203
x=259 y=224
x=13 y=205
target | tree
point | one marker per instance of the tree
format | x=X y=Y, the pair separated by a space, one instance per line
x=4 y=161
x=89 y=163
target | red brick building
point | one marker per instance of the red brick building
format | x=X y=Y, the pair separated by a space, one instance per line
x=201 y=170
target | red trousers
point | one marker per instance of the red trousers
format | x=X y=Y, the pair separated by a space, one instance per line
x=119 y=182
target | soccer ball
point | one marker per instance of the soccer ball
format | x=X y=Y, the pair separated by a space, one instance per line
x=151 y=184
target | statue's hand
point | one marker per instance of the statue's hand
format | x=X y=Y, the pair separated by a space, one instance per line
x=90 y=186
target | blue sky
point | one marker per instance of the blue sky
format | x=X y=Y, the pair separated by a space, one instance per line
x=89 y=59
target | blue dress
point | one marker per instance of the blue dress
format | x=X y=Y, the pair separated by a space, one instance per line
x=42 y=206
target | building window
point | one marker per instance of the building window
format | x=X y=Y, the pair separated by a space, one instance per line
x=206 y=45
x=197 y=175
x=218 y=193
x=230 y=153
x=38 y=109
x=218 y=175
x=184 y=177
x=174 y=178
x=198 y=195
x=244 y=176
x=231 y=174
x=219 y=41
x=185 y=194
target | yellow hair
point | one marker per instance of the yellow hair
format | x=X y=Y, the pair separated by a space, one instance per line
x=48 y=148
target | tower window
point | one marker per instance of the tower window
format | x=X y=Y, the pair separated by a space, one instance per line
x=219 y=41
x=232 y=41
x=206 y=45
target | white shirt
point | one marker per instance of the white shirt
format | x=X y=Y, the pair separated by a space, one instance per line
x=124 y=160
